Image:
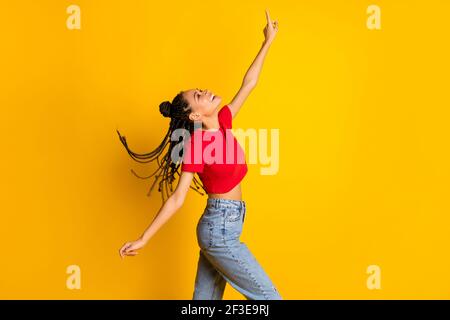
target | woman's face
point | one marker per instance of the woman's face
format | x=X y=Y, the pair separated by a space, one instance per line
x=204 y=103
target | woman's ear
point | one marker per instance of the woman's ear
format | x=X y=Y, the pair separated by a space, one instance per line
x=194 y=116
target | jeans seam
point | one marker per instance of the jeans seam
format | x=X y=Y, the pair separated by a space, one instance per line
x=248 y=272
x=216 y=281
x=210 y=242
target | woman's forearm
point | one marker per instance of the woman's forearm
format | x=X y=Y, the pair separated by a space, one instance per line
x=252 y=74
x=171 y=205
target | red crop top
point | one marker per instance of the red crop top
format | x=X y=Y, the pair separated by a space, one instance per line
x=219 y=171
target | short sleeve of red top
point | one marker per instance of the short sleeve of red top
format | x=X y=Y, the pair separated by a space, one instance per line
x=216 y=156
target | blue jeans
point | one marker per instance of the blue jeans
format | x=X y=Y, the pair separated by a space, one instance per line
x=224 y=258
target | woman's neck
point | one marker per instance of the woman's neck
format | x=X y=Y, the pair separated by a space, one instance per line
x=211 y=125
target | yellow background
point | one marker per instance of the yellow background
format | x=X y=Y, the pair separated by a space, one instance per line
x=364 y=144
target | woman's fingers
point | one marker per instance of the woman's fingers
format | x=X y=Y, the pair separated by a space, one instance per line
x=130 y=253
x=130 y=248
x=127 y=250
x=124 y=249
x=269 y=22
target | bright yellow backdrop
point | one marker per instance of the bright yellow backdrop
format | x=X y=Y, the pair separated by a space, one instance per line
x=364 y=144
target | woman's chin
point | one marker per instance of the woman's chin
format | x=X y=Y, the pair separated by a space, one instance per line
x=217 y=101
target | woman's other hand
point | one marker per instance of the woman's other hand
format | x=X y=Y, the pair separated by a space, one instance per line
x=129 y=248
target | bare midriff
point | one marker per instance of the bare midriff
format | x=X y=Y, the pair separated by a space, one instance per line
x=233 y=194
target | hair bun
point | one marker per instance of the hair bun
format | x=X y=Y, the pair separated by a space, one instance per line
x=165 y=108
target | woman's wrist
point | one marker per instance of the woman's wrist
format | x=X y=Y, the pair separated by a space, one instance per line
x=267 y=42
x=143 y=239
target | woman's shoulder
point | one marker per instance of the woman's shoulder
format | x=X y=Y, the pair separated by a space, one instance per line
x=225 y=117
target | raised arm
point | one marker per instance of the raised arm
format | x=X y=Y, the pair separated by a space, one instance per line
x=172 y=204
x=252 y=75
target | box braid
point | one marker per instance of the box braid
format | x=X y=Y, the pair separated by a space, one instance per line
x=178 y=111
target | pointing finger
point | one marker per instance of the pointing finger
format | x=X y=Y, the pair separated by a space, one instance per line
x=268 y=17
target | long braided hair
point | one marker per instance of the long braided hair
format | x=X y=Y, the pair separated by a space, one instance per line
x=178 y=111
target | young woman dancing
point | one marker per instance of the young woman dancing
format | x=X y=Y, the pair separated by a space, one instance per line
x=222 y=257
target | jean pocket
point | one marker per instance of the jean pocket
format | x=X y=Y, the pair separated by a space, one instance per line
x=211 y=214
x=232 y=215
x=233 y=226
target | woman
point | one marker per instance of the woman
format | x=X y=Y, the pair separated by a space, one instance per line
x=223 y=258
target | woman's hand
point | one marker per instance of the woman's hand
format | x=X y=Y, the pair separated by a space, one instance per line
x=270 y=30
x=129 y=248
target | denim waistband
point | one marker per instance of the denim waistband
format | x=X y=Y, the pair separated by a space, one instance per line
x=227 y=203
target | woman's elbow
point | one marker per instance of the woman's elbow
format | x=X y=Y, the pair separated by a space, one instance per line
x=177 y=200
x=250 y=83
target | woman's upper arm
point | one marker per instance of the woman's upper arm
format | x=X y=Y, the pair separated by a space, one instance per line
x=183 y=186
